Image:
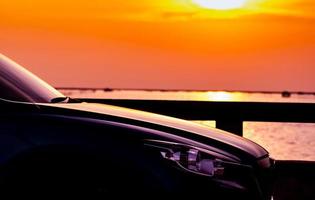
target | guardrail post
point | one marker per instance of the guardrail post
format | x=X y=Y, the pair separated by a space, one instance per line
x=233 y=126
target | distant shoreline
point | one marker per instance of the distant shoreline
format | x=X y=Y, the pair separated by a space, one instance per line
x=184 y=90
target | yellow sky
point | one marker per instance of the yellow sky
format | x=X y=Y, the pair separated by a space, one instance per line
x=170 y=44
x=146 y=10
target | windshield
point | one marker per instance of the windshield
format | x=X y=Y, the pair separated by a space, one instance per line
x=18 y=84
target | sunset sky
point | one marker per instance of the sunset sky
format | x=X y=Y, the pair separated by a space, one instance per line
x=164 y=44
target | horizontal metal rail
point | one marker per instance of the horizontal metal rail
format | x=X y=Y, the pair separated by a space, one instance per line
x=229 y=116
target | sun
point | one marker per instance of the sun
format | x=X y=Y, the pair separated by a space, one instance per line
x=220 y=4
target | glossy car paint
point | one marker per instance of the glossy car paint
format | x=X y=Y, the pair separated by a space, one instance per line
x=232 y=140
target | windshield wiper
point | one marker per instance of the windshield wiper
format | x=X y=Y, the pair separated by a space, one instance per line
x=59 y=100
x=64 y=100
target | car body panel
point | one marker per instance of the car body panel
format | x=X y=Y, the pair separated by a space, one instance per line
x=221 y=136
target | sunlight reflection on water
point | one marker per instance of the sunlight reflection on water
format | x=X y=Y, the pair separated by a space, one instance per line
x=187 y=95
x=287 y=141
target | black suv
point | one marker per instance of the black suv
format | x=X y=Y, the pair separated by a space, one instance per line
x=52 y=145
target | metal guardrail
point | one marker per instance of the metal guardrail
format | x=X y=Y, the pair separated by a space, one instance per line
x=229 y=116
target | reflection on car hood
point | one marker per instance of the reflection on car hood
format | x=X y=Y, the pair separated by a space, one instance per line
x=222 y=136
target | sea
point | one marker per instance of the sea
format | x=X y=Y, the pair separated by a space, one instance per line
x=284 y=141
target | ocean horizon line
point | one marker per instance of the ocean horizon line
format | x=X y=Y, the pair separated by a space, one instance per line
x=109 y=89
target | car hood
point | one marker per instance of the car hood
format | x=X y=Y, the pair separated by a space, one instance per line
x=187 y=126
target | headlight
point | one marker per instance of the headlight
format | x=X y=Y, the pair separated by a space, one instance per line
x=220 y=167
x=193 y=159
x=225 y=170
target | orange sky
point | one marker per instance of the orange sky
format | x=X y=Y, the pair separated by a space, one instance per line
x=163 y=44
